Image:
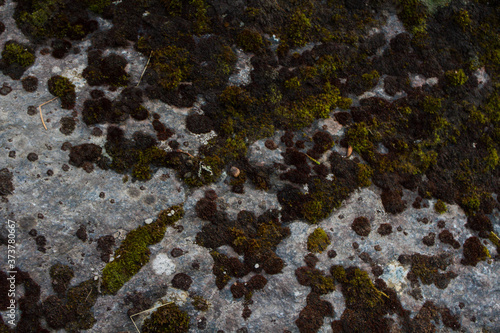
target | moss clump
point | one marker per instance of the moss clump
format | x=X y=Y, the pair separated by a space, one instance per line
x=440 y=207
x=15 y=53
x=97 y=6
x=358 y=289
x=172 y=66
x=200 y=303
x=61 y=276
x=365 y=172
x=80 y=299
x=456 y=77
x=168 y=318
x=250 y=40
x=318 y=241
x=303 y=112
x=41 y=19
x=134 y=253
x=298 y=30
x=63 y=88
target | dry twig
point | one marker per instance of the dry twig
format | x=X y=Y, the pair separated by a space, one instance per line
x=144 y=70
x=40 y=109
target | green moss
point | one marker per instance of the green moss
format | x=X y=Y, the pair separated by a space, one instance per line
x=359 y=291
x=372 y=77
x=365 y=173
x=293 y=84
x=63 y=88
x=200 y=303
x=358 y=136
x=97 y=6
x=168 y=318
x=318 y=241
x=319 y=283
x=440 y=207
x=16 y=53
x=325 y=196
x=250 y=40
x=413 y=13
x=303 y=112
x=456 y=77
x=172 y=66
x=134 y=253
x=462 y=18
x=298 y=29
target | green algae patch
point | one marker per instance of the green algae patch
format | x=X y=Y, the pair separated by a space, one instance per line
x=168 y=318
x=134 y=253
x=318 y=241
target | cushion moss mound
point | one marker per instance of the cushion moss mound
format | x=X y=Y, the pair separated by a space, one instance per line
x=134 y=253
x=167 y=319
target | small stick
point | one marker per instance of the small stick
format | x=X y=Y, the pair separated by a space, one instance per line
x=144 y=70
x=180 y=151
x=40 y=109
x=312 y=159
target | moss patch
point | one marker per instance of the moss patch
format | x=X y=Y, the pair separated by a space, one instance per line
x=134 y=253
x=318 y=241
x=168 y=318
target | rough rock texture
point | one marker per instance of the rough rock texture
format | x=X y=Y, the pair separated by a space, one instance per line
x=78 y=218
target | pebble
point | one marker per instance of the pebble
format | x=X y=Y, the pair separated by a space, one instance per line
x=148 y=221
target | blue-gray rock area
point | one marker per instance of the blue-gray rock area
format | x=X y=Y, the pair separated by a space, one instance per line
x=300 y=216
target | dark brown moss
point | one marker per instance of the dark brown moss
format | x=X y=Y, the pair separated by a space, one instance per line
x=205 y=208
x=6 y=185
x=87 y=152
x=392 y=201
x=55 y=311
x=199 y=124
x=81 y=233
x=361 y=226
x=30 y=83
x=446 y=237
x=474 y=251
x=68 y=125
x=105 y=245
x=61 y=276
x=430 y=239
x=32 y=157
x=256 y=282
x=182 y=281
x=176 y=252
x=385 y=229
x=479 y=222
x=238 y=289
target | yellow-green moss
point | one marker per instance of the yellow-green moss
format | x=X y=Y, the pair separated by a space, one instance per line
x=200 y=303
x=440 y=207
x=298 y=29
x=456 y=77
x=134 y=253
x=318 y=241
x=168 y=318
x=172 y=66
x=15 y=53
x=250 y=40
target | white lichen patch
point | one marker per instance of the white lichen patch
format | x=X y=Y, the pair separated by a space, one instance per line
x=395 y=275
x=482 y=77
x=162 y=264
x=243 y=68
